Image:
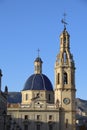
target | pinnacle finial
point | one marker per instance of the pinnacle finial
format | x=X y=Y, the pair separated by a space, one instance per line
x=64 y=21
x=38 y=51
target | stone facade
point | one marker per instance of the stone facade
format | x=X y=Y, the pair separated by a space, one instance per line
x=42 y=108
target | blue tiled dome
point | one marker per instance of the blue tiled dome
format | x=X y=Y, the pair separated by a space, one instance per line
x=38 y=82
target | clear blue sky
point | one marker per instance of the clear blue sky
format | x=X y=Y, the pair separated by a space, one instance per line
x=26 y=25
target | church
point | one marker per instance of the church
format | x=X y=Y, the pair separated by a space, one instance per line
x=42 y=106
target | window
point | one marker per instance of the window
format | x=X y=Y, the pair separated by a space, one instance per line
x=50 y=127
x=26 y=97
x=64 y=39
x=58 y=80
x=38 y=94
x=50 y=117
x=26 y=117
x=38 y=127
x=38 y=117
x=65 y=78
x=65 y=57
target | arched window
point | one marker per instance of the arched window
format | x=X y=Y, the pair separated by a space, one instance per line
x=50 y=117
x=58 y=79
x=26 y=117
x=38 y=117
x=65 y=57
x=64 y=39
x=65 y=79
x=26 y=97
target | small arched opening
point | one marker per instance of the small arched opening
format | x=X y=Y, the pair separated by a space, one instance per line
x=65 y=78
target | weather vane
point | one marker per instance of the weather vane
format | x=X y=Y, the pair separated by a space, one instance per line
x=38 y=52
x=64 y=21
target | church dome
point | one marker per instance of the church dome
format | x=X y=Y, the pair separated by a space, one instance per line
x=38 y=82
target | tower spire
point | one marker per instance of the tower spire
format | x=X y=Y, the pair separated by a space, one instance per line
x=65 y=82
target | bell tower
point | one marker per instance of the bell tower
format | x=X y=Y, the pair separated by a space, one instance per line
x=65 y=83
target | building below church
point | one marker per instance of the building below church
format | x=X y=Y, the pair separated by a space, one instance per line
x=41 y=107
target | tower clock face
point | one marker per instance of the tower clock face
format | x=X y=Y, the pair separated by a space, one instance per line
x=66 y=101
